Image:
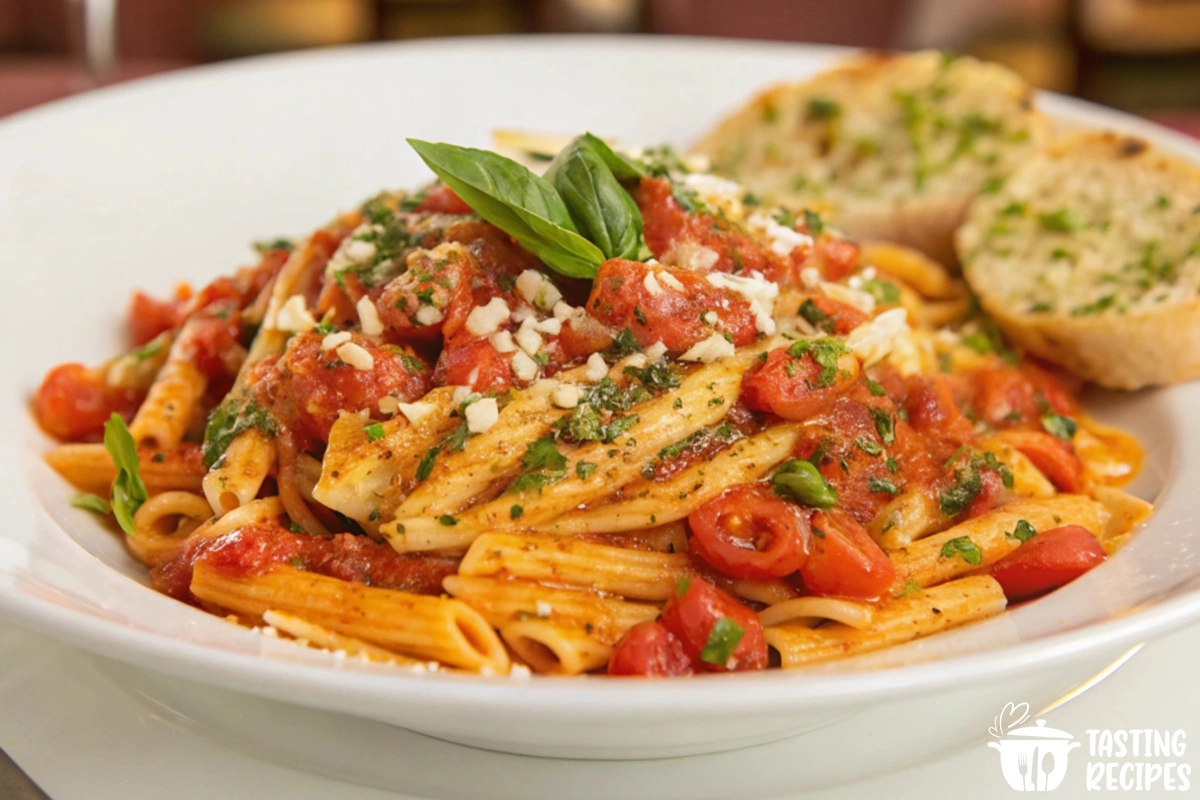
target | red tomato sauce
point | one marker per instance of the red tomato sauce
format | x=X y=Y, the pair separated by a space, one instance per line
x=254 y=549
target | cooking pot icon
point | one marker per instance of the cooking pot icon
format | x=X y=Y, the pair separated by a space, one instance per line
x=1034 y=759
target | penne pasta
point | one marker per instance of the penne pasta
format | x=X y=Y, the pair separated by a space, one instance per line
x=412 y=625
x=237 y=478
x=163 y=523
x=636 y=574
x=920 y=614
x=931 y=561
x=172 y=403
x=556 y=648
x=90 y=468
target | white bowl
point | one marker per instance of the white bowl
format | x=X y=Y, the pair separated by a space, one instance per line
x=166 y=179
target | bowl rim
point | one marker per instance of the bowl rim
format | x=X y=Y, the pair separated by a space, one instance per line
x=773 y=690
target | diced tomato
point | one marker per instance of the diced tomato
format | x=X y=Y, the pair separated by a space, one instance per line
x=793 y=387
x=1055 y=458
x=1050 y=559
x=992 y=488
x=216 y=349
x=692 y=618
x=834 y=257
x=441 y=198
x=256 y=548
x=749 y=532
x=149 y=317
x=933 y=413
x=674 y=317
x=441 y=285
x=675 y=236
x=74 y=402
x=650 y=650
x=845 y=561
x=840 y=318
x=1052 y=388
x=308 y=386
x=474 y=363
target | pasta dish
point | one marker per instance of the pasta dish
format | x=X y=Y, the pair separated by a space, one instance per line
x=625 y=416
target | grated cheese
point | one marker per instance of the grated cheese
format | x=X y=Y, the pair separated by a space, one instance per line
x=671 y=280
x=874 y=339
x=356 y=356
x=537 y=289
x=694 y=257
x=335 y=340
x=461 y=395
x=851 y=297
x=502 y=342
x=294 y=316
x=597 y=368
x=359 y=251
x=783 y=239
x=563 y=311
x=651 y=284
x=428 y=315
x=415 y=413
x=711 y=349
x=368 y=317
x=527 y=338
x=482 y=415
x=810 y=277
x=549 y=326
x=524 y=367
x=543 y=609
x=709 y=317
x=565 y=396
x=389 y=405
x=487 y=318
x=656 y=351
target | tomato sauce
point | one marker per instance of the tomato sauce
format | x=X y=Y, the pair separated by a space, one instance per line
x=256 y=548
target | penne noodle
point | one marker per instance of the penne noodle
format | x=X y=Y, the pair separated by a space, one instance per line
x=90 y=468
x=652 y=503
x=703 y=398
x=163 y=523
x=173 y=400
x=637 y=574
x=236 y=479
x=413 y=625
x=317 y=636
x=1126 y=514
x=931 y=561
x=1110 y=456
x=253 y=513
x=556 y=648
x=920 y=614
x=505 y=600
x=812 y=610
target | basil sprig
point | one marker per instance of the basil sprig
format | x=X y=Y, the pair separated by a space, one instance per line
x=574 y=219
x=128 y=490
x=587 y=175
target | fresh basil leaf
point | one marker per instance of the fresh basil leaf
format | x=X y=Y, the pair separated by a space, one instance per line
x=621 y=166
x=128 y=491
x=517 y=202
x=91 y=502
x=801 y=481
x=601 y=208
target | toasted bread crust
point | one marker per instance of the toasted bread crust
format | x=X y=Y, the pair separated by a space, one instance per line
x=884 y=146
x=1090 y=257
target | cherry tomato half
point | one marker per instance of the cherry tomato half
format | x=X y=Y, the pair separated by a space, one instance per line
x=1049 y=560
x=748 y=532
x=712 y=625
x=1054 y=457
x=649 y=649
x=845 y=561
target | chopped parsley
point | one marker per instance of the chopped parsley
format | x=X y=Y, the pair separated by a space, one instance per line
x=814 y=316
x=963 y=547
x=624 y=344
x=374 y=432
x=910 y=586
x=1060 y=426
x=825 y=353
x=820 y=109
x=657 y=377
x=446 y=519
x=722 y=641
x=868 y=446
x=954 y=500
x=881 y=486
x=1023 y=531
x=814 y=223
x=885 y=293
x=875 y=388
x=515 y=512
x=584 y=469
x=885 y=424
x=1064 y=220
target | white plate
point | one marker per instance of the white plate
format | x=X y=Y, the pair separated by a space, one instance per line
x=166 y=179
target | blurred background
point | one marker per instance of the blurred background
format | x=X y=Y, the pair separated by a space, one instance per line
x=1139 y=55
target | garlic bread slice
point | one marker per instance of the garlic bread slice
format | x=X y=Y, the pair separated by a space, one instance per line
x=890 y=147
x=1089 y=256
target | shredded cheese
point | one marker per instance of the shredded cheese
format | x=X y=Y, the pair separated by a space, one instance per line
x=368 y=317
x=416 y=412
x=597 y=368
x=356 y=356
x=565 y=396
x=294 y=316
x=428 y=315
x=527 y=338
x=482 y=415
x=524 y=367
x=874 y=339
x=487 y=318
x=656 y=351
x=502 y=342
x=711 y=349
x=651 y=284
